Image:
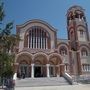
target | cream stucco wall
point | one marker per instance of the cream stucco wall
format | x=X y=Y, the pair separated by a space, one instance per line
x=21 y=43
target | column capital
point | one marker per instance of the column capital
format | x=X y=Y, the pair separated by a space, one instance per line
x=32 y=64
x=16 y=64
x=47 y=64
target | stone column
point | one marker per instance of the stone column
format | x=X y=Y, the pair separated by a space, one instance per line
x=71 y=62
x=15 y=71
x=48 y=75
x=78 y=63
x=62 y=69
x=58 y=70
x=32 y=70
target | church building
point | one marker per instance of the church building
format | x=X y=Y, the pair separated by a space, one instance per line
x=41 y=54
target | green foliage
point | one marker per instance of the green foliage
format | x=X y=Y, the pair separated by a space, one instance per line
x=6 y=62
x=7 y=44
x=7 y=30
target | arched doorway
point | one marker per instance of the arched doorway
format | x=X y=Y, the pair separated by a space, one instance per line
x=40 y=65
x=55 y=67
x=38 y=69
x=24 y=67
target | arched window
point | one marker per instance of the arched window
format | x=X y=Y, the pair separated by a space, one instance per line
x=81 y=33
x=76 y=15
x=84 y=52
x=72 y=37
x=63 y=50
x=39 y=38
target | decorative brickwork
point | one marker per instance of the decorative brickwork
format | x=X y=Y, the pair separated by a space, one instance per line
x=41 y=54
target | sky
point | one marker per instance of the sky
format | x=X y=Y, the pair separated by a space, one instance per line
x=51 y=11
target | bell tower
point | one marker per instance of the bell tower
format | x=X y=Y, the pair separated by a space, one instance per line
x=77 y=24
x=77 y=32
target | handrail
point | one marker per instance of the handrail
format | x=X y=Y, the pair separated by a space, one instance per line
x=68 y=78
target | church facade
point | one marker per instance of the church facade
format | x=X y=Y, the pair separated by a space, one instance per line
x=41 y=54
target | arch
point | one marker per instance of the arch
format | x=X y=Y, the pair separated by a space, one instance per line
x=63 y=50
x=74 y=11
x=71 y=28
x=55 y=58
x=37 y=32
x=32 y=23
x=76 y=7
x=40 y=57
x=55 y=61
x=23 y=56
x=81 y=26
x=36 y=21
x=70 y=15
x=84 y=49
x=82 y=33
x=84 y=52
x=65 y=45
x=84 y=45
x=34 y=27
x=23 y=62
x=79 y=12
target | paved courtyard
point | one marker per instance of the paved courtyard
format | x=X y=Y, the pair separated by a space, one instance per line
x=64 y=87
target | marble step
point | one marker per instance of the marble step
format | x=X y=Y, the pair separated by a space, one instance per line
x=30 y=82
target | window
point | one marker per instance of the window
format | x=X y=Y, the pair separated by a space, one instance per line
x=38 y=37
x=51 y=68
x=86 y=67
x=81 y=33
x=76 y=15
x=84 y=52
x=66 y=67
x=63 y=50
x=72 y=37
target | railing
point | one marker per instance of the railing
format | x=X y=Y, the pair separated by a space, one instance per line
x=68 y=78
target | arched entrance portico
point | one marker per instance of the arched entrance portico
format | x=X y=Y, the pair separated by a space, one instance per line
x=40 y=61
x=24 y=65
x=39 y=65
x=24 y=69
x=55 y=67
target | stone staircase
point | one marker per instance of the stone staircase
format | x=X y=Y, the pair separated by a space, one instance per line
x=32 y=82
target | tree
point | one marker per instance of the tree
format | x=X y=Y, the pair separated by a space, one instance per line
x=7 y=71
x=8 y=42
x=4 y=37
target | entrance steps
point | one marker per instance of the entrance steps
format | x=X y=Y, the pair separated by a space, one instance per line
x=32 y=82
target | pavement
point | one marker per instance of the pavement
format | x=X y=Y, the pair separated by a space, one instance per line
x=63 y=87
